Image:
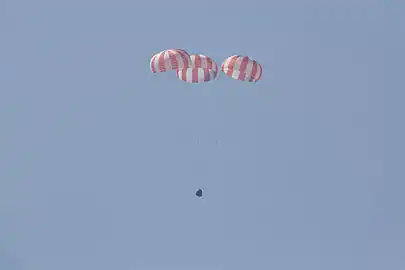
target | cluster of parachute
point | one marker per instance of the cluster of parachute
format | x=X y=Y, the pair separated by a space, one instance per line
x=198 y=68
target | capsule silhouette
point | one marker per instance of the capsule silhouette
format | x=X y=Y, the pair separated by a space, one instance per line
x=199 y=193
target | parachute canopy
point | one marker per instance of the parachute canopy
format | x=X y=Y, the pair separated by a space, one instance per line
x=170 y=59
x=196 y=75
x=202 y=69
x=242 y=68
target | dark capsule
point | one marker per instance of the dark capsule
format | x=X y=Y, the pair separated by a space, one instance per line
x=199 y=193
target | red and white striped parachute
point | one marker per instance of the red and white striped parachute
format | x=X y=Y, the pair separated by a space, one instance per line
x=202 y=69
x=242 y=68
x=170 y=59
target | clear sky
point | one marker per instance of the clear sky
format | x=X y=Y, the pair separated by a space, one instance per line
x=100 y=158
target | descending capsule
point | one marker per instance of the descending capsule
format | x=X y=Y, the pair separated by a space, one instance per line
x=199 y=193
x=202 y=69
x=170 y=59
x=242 y=68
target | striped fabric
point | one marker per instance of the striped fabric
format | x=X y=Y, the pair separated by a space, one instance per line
x=171 y=59
x=203 y=69
x=242 y=68
x=196 y=75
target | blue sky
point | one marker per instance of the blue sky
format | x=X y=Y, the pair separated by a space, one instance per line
x=100 y=158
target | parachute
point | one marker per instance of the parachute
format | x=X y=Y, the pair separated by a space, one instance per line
x=170 y=59
x=198 y=68
x=196 y=75
x=242 y=68
x=202 y=69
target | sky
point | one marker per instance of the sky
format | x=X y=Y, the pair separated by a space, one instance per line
x=100 y=158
